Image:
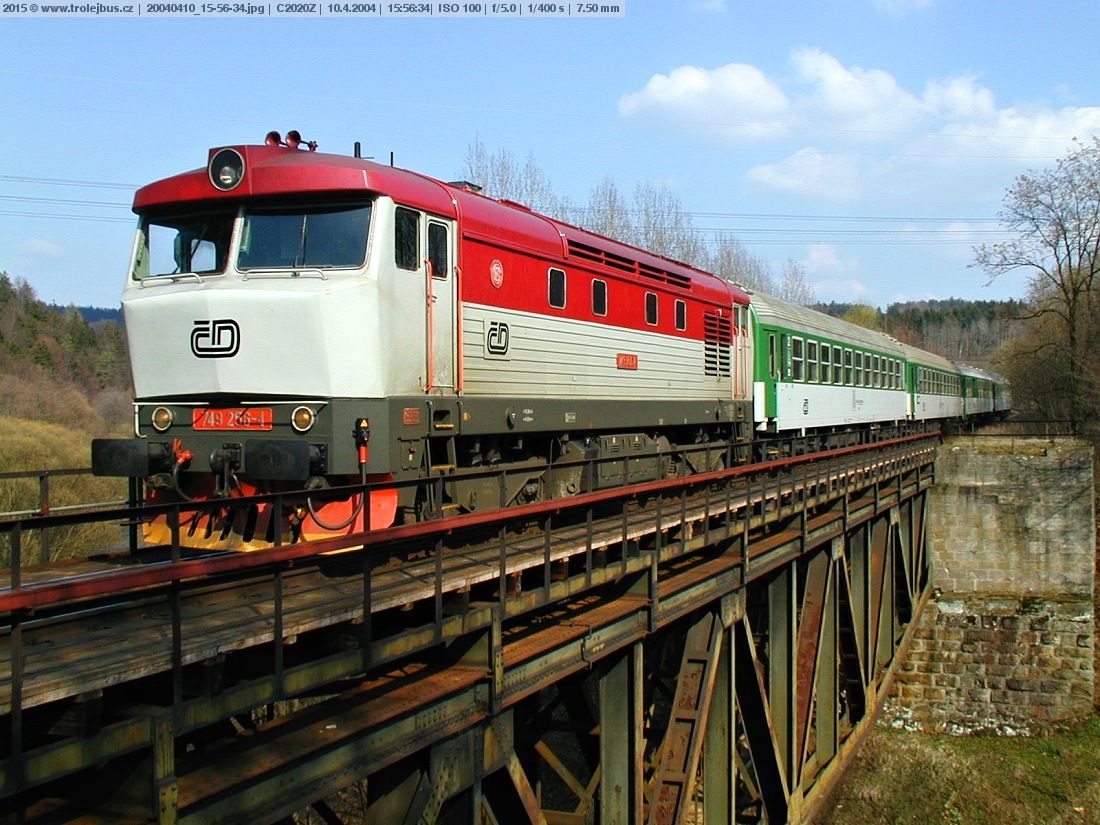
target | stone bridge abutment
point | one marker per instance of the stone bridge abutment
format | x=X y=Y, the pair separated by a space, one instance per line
x=1008 y=642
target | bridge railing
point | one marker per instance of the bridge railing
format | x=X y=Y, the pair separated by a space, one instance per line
x=181 y=517
x=770 y=492
x=46 y=492
x=1039 y=428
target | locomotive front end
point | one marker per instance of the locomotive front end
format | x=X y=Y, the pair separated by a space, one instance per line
x=251 y=311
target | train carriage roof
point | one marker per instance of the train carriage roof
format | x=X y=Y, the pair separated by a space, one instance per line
x=925 y=358
x=971 y=371
x=772 y=310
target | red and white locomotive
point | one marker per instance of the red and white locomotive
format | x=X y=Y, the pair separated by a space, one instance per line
x=303 y=320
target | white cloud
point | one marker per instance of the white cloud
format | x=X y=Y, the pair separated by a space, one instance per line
x=735 y=100
x=823 y=259
x=842 y=290
x=959 y=98
x=854 y=99
x=949 y=135
x=40 y=248
x=905 y=297
x=811 y=172
x=739 y=100
x=833 y=277
x=1019 y=131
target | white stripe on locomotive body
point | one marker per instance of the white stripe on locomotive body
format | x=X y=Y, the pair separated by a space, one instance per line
x=566 y=358
x=804 y=406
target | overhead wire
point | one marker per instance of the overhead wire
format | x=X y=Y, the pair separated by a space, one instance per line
x=67 y=182
x=754 y=235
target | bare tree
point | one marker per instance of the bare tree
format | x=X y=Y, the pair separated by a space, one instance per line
x=1036 y=371
x=727 y=258
x=662 y=226
x=608 y=213
x=1054 y=215
x=793 y=286
x=500 y=175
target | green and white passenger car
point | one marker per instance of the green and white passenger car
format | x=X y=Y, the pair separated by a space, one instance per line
x=816 y=372
x=935 y=385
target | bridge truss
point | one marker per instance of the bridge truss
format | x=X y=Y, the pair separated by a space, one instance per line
x=708 y=649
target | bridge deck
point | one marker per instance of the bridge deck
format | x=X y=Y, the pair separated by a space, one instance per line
x=131 y=642
x=697 y=541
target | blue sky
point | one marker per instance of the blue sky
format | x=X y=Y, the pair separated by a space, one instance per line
x=798 y=126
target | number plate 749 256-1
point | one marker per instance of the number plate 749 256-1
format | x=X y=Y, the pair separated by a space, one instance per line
x=235 y=418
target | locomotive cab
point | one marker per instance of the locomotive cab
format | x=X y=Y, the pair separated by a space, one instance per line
x=259 y=346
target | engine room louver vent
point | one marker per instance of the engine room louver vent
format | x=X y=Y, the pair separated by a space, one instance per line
x=718 y=335
x=601 y=256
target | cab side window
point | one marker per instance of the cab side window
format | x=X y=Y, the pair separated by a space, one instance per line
x=437 y=249
x=406 y=239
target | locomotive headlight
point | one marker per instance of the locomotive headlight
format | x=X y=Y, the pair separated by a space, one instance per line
x=162 y=419
x=226 y=169
x=302 y=419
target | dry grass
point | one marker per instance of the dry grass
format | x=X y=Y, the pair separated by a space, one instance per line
x=26 y=445
x=916 y=779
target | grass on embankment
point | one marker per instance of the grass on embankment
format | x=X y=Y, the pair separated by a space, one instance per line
x=26 y=445
x=920 y=779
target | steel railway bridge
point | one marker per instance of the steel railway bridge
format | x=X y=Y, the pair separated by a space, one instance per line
x=707 y=649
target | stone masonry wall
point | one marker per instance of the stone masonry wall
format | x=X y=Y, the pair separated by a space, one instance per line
x=1007 y=643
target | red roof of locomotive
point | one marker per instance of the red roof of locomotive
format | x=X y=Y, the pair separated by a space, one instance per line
x=273 y=171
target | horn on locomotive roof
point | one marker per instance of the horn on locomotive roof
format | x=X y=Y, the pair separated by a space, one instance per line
x=293 y=140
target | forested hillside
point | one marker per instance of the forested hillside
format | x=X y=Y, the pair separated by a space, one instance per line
x=968 y=331
x=56 y=366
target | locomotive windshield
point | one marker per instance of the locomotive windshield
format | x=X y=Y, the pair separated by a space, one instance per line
x=320 y=237
x=181 y=244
